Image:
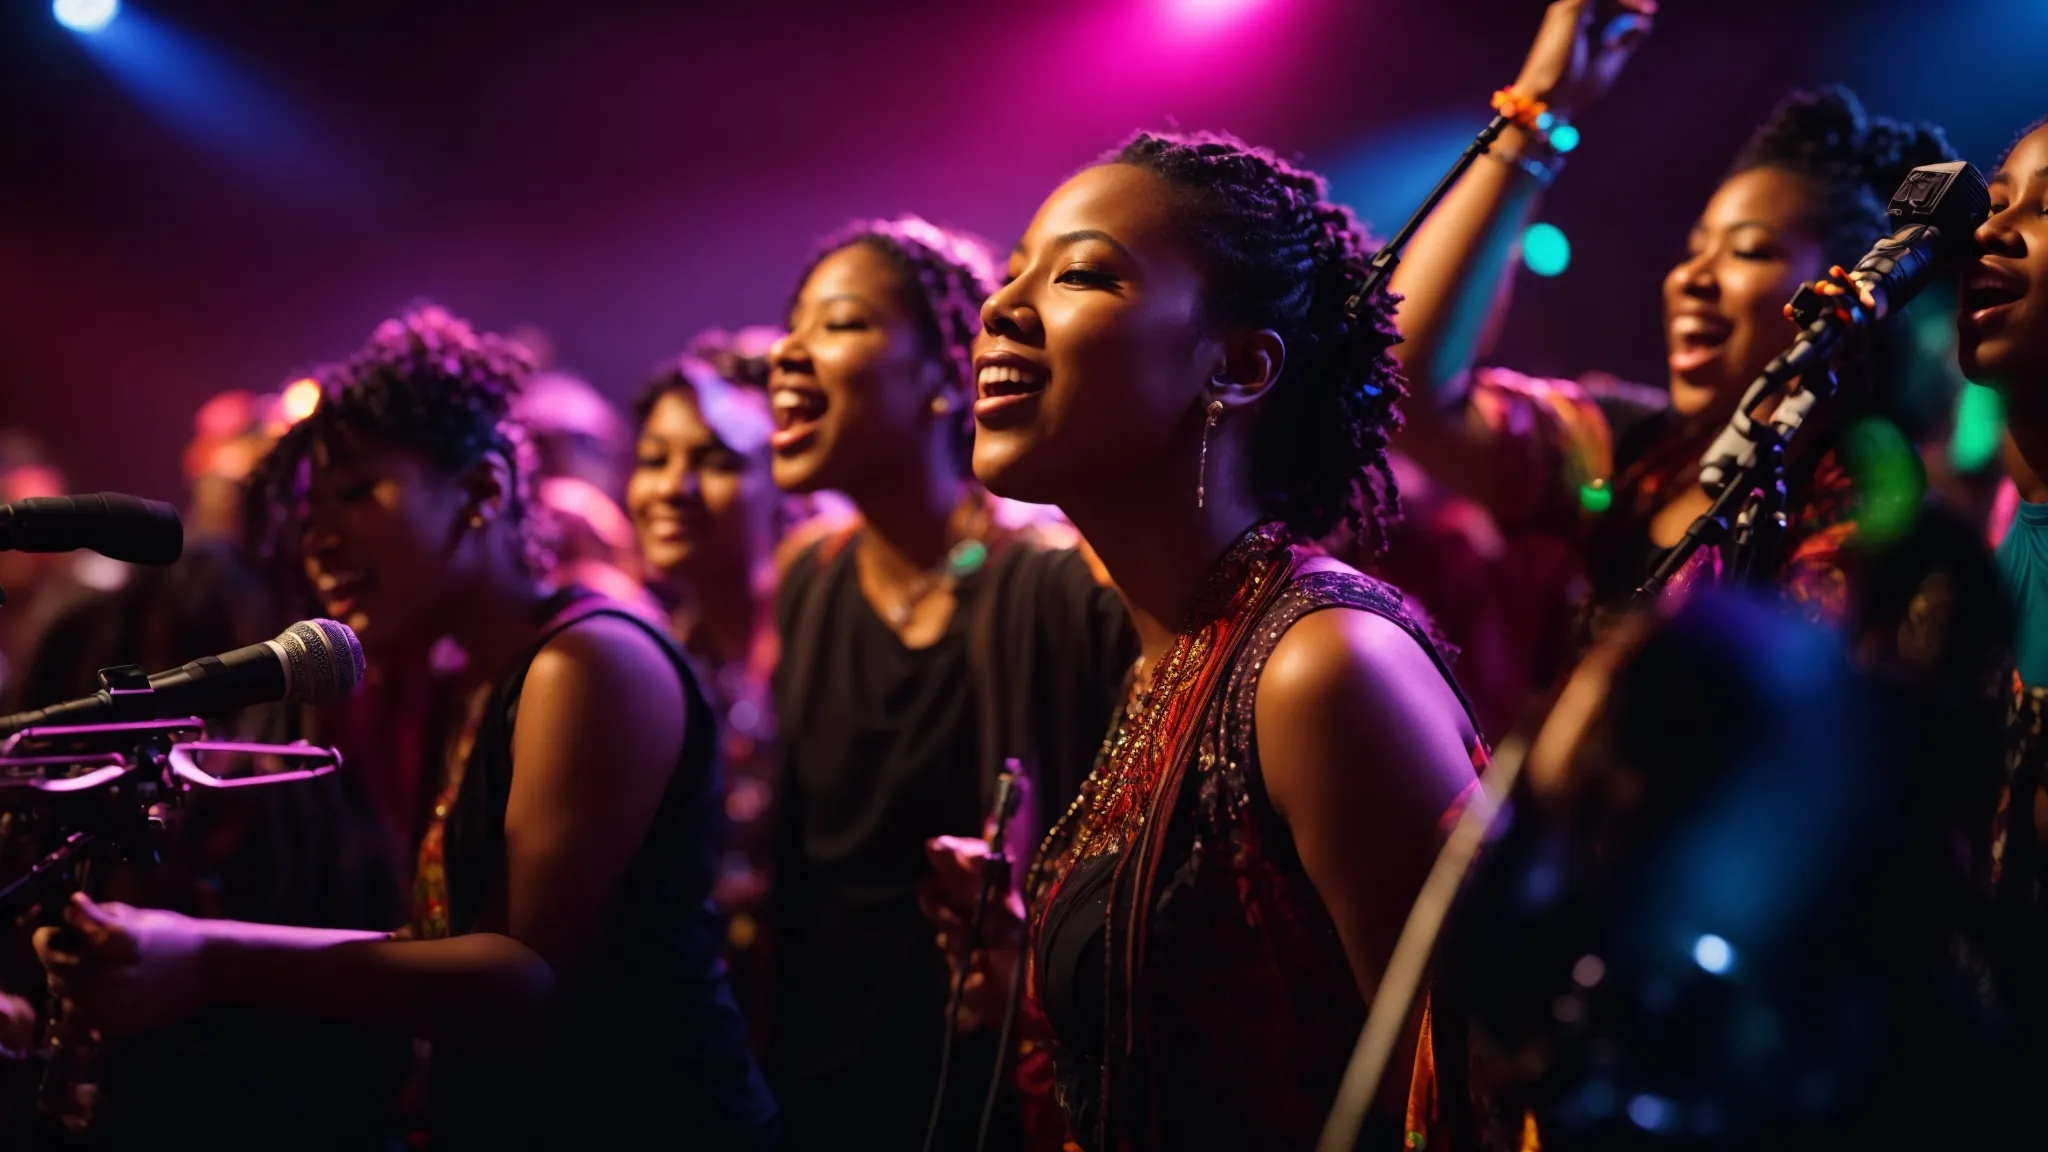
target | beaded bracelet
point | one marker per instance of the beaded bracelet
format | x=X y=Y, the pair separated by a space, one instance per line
x=1526 y=111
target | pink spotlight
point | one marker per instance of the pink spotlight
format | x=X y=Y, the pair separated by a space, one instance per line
x=1209 y=13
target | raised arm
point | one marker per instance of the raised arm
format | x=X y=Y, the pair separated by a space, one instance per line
x=599 y=732
x=1455 y=275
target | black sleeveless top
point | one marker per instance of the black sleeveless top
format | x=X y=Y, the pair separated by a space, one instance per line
x=648 y=1044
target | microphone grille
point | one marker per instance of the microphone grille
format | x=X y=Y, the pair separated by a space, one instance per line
x=326 y=660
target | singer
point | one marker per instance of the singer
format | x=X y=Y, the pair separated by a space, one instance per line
x=562 y=958
x=934 y=631
x=1183 y=362
x=707 y=514
x=1808 y=190
x=2002 y=330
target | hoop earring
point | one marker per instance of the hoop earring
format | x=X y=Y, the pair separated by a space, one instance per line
x=1202 y=474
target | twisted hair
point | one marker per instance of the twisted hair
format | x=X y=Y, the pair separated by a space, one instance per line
x=1279 y=255
x=425 y=382
x=945 y=276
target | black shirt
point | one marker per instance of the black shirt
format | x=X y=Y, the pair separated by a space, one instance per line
x=883 y=748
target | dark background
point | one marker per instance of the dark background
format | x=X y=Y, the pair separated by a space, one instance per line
x=216 y=195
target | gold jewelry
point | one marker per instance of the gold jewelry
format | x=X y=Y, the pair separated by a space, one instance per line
x=941 y=404
x=476 y=520
x=1202 y=475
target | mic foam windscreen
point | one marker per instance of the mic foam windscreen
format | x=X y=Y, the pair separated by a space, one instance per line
x=325 y=660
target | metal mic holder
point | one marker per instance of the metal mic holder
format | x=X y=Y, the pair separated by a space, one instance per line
x=1750 y=487
x=102 y=788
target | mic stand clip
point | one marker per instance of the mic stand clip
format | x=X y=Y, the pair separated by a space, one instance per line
x=1750 y=505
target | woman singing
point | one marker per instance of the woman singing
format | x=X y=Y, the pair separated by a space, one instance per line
x=1185 y=361
x=708 y=517
x=921 y=647
x=563 y=957
x=1807 y=191
x=2002 y=329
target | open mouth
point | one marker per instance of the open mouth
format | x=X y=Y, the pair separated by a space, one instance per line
x=796 y=410
x=340 y=592
x=1006 y=386
x=1987 y=292
x=1696 y=339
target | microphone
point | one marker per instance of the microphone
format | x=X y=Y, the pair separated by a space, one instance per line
x=109 y=523
x=1934 y=214
x=312 y=662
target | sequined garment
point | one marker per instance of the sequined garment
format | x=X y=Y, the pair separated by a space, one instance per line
x=2015 y=865
x=1245 y=1008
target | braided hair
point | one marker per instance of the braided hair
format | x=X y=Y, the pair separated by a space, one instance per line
x=1278 y=255
x=945 y=275
x=424 y=382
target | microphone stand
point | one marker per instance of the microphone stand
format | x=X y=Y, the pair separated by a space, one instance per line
x=1389 y=256
x=1746 y=469
x=103 y=789
x=995 y=881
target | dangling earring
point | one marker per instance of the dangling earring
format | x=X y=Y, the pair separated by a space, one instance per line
x=1202 y=475
x=941 y=404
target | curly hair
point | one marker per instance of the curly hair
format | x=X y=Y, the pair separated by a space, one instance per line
x=1279 y=255
x=425 y=382
x=945 y=275
x=1854 y=160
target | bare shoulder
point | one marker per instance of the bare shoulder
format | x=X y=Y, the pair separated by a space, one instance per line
x=1345 y=689
x=1346 y=656
x=611 y=669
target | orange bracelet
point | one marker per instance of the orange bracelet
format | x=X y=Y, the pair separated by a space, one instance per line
x=1519 y=109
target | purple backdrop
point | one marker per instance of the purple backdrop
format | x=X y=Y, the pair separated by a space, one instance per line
x=241 y=190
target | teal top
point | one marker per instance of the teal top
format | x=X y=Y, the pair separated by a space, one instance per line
x=2023 y=557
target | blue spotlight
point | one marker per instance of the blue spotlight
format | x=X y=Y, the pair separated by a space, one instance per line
x=1545 y=249
x=1713 y=954
x=86 y=15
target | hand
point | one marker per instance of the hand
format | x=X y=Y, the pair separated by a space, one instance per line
x=948 y=899
x=1572 y=63
x=123 y=970
x=17 y=1027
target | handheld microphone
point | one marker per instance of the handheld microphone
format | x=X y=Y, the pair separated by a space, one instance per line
x=1934 y=214
x=109 y=523
x=312 y=662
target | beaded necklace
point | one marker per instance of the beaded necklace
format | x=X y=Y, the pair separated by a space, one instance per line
x=1111 y=810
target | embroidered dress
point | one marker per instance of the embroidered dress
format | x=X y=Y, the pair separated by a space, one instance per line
x=1192 y=979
